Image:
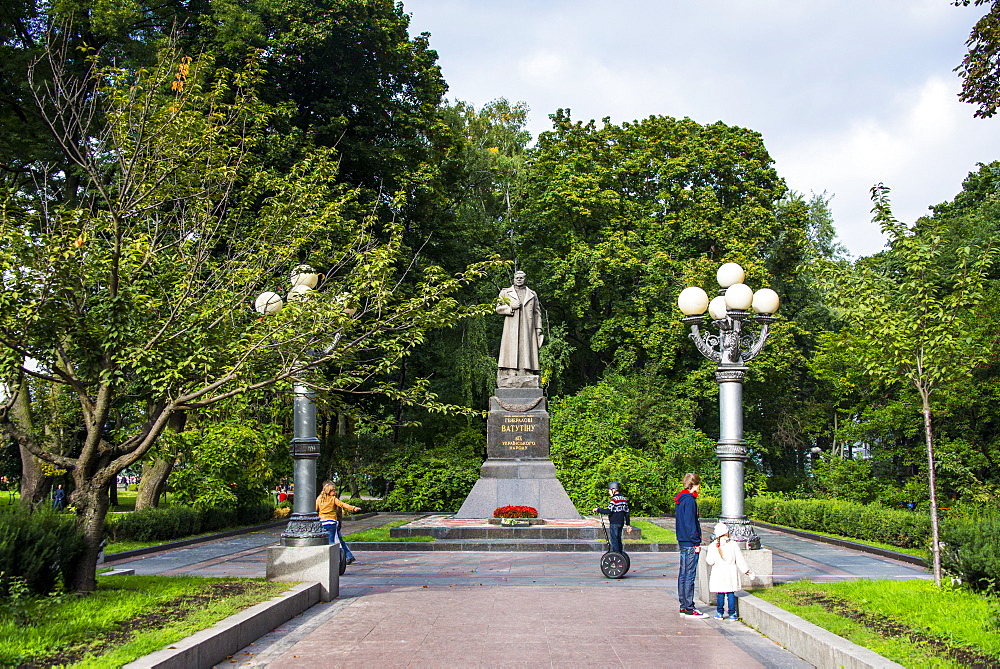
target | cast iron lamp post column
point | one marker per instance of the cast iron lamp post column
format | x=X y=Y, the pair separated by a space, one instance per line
x=303 y=527
x=731 y=348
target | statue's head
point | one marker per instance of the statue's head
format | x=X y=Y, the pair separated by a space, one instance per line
x=519 y=278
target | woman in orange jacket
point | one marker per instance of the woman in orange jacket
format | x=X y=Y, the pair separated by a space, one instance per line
x=330 y=510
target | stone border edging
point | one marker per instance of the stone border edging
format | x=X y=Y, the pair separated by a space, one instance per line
x=815 y=645
x=844 y=543
x=128 y=555
x=215 y=644
x=507 y=546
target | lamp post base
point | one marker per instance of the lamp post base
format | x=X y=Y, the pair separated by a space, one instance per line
x=288 y=564
x=304 y=530
x=741 y=531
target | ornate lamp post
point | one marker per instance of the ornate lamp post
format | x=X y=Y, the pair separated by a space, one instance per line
x=732 y=347
x=303 y=526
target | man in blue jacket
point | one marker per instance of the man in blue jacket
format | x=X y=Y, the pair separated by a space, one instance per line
x=688 y=531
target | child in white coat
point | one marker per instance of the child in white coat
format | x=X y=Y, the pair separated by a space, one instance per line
x=726 y=560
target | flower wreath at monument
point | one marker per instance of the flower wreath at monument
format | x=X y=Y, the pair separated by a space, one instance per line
x=515 y=512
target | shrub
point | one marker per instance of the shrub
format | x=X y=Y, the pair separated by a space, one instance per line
x=37 y=550
x=865 y=522
x=435 y=479
x=254 y=514
x=968 y=550
x=367 y=505
x=175 y=522
x=515 y=512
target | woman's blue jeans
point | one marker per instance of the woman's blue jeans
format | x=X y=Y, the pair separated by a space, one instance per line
x=720 y=600
x=685 y=577
x=343 y=545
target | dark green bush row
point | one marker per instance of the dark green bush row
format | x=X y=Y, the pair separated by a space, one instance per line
x=174 y=522
x=368 y=505
x=969 y=550
x=39 y=548
x=906 y=529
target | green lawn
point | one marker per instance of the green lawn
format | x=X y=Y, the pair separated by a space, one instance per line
x=651 y=534
x=911 y=622
x=381 y=533
x=126 y=618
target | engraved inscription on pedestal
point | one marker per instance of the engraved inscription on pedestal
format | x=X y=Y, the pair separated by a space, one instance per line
x=517 y=435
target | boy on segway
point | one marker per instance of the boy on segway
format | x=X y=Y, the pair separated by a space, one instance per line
x=618 y=516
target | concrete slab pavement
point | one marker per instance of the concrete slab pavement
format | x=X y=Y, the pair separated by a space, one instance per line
x=410 y=608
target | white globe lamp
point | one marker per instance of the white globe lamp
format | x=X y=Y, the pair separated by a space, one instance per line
x=766 y=301
x=730 y=274
x=717 y=308
x=303 y=275
x=268 y=303
x=299 y=292
x=692 y=301
x=739 y=296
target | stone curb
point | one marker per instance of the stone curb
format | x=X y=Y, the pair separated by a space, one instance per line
x=812 y=643
x=128 y=555
x=500 y=546
x=844 y=543
x=214 y=644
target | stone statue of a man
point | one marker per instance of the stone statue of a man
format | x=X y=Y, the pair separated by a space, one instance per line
x=522 y=335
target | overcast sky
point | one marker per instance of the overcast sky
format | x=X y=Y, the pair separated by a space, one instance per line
x=846 y=93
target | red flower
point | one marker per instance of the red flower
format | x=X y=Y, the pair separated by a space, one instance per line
x=515 y=512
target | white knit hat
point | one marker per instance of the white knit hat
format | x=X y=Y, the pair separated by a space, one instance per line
x=720 y=529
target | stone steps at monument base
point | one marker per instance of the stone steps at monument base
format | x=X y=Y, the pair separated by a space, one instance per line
x=508 y=546
x=498 y=533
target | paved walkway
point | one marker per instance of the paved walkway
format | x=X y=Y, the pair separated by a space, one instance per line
x=477 y=609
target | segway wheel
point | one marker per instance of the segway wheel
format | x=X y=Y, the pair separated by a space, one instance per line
x=614 y=565
x=628 y=561
x=343 y=561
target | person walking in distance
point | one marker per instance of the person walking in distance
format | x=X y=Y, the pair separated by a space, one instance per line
x=688 y=531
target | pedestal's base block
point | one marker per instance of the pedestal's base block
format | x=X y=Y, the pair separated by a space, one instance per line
x=545 y=494
x=760 y=562
x=297 y=564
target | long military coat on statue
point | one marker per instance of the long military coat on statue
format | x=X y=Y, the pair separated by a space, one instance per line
x=519 y=345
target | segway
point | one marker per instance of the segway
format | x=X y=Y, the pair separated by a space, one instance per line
x=343 y=559
x=613 y=563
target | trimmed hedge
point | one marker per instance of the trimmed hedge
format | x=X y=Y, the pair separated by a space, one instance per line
x=39 y=548
x=175 y=522
x=865 y=522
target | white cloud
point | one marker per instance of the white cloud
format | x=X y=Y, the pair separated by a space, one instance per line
x=846 y=93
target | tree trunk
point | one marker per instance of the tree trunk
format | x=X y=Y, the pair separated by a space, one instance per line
x=34 y=485
x=932 y=485
x=152 y=482
x=91 y=501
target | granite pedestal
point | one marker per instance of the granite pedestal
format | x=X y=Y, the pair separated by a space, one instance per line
x=301 y=564
x=518 y=470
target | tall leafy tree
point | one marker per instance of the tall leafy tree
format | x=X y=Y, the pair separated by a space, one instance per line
x=140 y=288
x=980 y=69
x=911 y=319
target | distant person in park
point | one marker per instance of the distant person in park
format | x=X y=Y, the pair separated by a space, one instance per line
x=59 y=499
x=517 y=366
x=726 y=560
x=282 y=495
x=330 y=510
x=688 y=531
x=618 y=515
